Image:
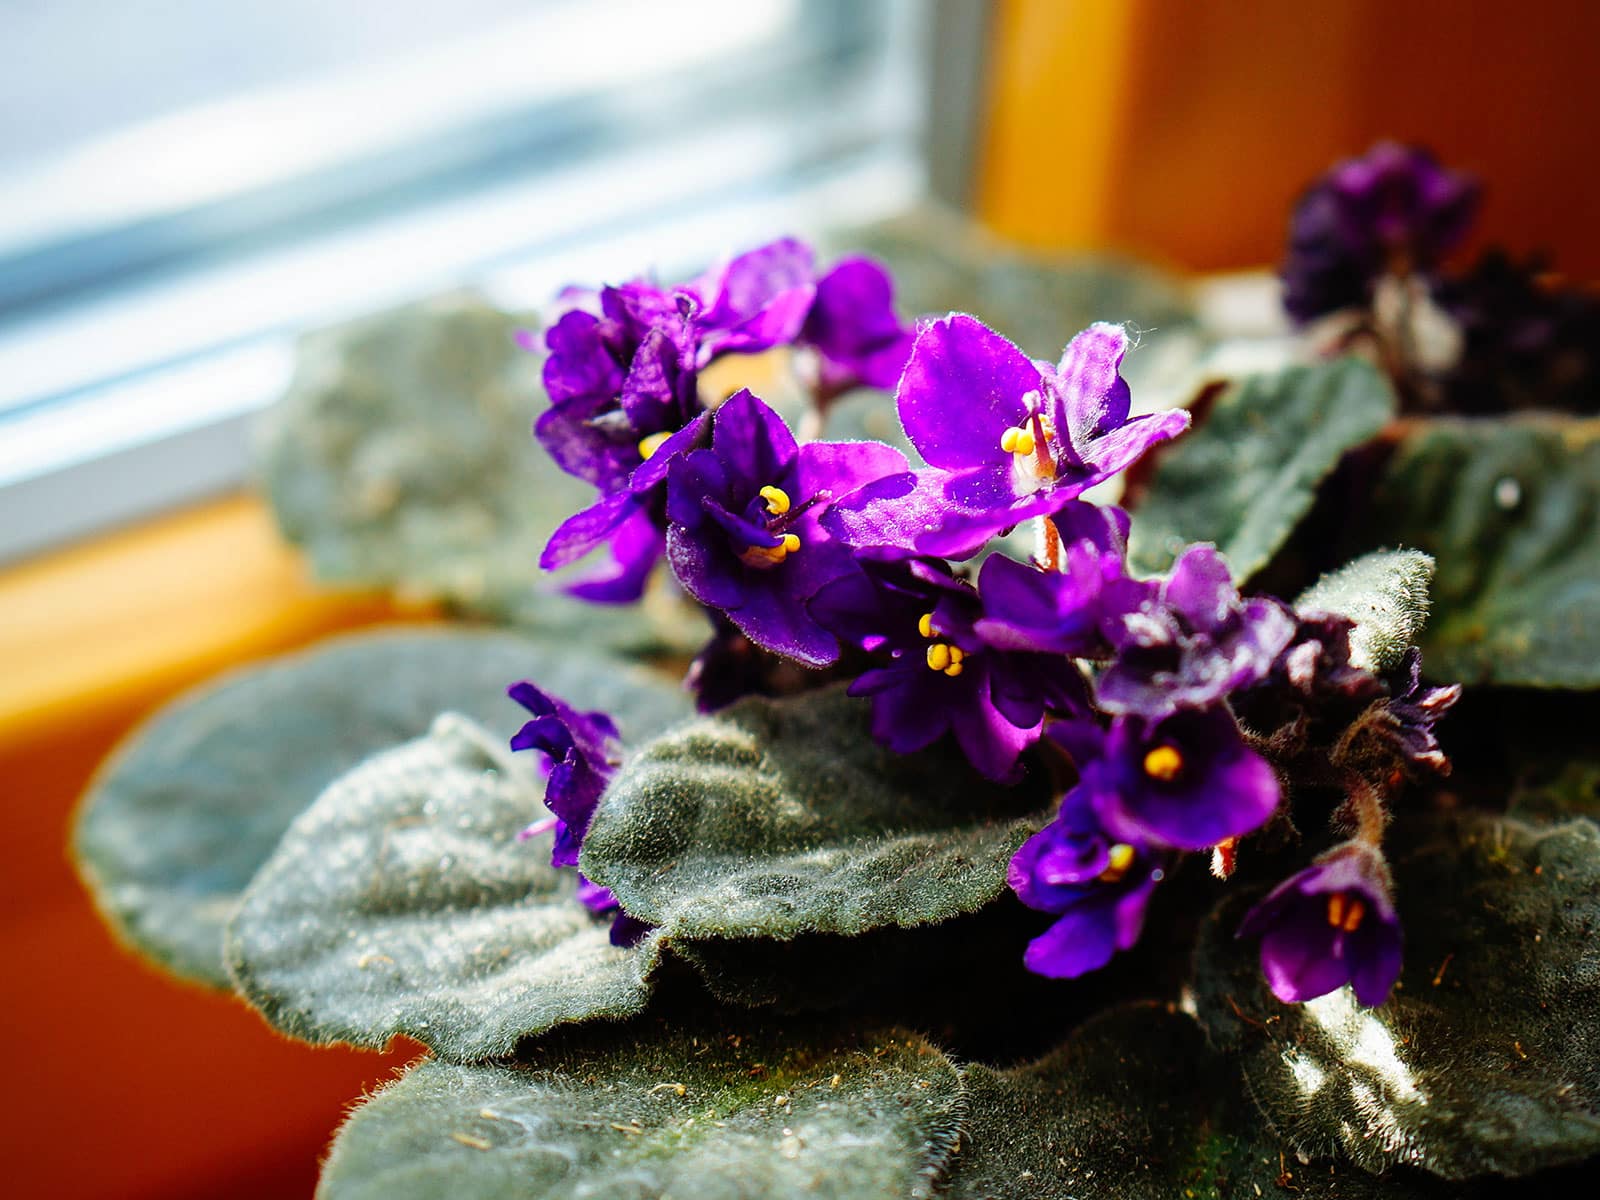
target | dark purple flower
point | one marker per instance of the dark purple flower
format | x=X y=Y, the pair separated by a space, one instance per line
x=1063 y=611
x=1412 y=713
x=624 y=390
x=940 y=676
x=1333 y=923
x=1394 y=210
x=1315 y=669
x=1100 y=885
x=853 y=328
x=584 y=751
x=1527 y=341
x=1005 y=438
x=1188 y=781
x=1190 y=641
x=744 y=536
x=626 y=931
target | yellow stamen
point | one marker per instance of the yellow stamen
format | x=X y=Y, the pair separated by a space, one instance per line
x=1336 y=909
x=1163 y=763
x=1017 y=441
x=1118 y=859
x=925 y=625
x=648 y=446
x=1352 y=919
x=938 y=656
x=770 y=556
x=954 y=669
x=957 y=654
x=777 y=500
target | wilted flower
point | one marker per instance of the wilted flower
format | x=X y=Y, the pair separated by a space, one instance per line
x=1191 y=641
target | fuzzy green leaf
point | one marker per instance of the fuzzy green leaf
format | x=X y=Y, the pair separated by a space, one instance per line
x=1245 y=475
x=1386 y=594
x=402 y=902
x=714 y=1115
x=192 y=804
x=1511 y=509
x=776 y=818
x=402 y=456
x=1135 y=1106
x=1487 y=1057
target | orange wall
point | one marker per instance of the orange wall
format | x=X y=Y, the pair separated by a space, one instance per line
x=124 y=1084
x=1183 y=130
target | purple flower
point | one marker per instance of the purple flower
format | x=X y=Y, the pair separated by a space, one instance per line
x=744 y=536
x=1005 y=438
x=629 y=521
x=853 y=328
x=584 y=751
x=1393 y=210
x=626 y=931
x=1188 y=781
x=1527 y=342
x=1064 y=611
x=1333 y=923
x=1190 y=641
x=624 y=390
x=1101 y=887
x=1412 y=714
x=940 y=675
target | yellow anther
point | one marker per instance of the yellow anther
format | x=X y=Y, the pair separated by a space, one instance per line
x=1017 y=441
x=938 y=656
x=648 y=446
x=1163 y=763
x=1118 y=859
x=777 y=500
x=1336 y=909
x=1352 y=918
x=957 y=654
x=770 y=556
x=954 y=669
x=925 y=625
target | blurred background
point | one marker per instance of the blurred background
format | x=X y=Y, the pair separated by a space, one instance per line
x=187 y=187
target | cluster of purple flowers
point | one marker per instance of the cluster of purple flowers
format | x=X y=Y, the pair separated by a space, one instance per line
x=1177 y=702
x=1370 y=237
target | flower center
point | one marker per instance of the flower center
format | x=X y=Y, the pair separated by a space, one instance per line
x=770 y=556
x=1345 y=912
x=1164 y=763
x=773 y=508
x=1118 y=859
x=1028 y=443
x=945 y=657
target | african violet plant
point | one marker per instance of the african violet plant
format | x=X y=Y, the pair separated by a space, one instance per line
x=996 y=843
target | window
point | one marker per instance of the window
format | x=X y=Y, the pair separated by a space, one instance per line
x=199 y=182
